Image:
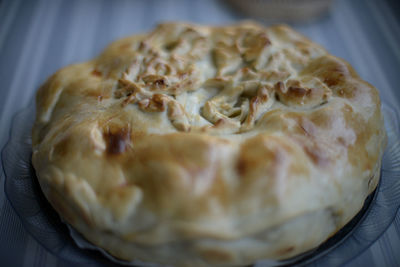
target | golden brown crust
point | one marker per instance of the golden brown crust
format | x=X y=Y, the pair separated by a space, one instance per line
x=196 y=145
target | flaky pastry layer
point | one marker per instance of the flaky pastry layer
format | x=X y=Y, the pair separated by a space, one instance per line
x=194 y=145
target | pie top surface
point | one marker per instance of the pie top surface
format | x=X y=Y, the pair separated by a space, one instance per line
x=207 y=136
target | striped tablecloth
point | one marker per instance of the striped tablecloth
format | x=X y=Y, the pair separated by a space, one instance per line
x=39 y=37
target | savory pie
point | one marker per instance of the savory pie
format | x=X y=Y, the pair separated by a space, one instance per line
x=193 y=145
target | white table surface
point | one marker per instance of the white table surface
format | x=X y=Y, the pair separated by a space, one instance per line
x=38 y=37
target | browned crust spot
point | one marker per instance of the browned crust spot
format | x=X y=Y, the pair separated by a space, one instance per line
x=117 y=141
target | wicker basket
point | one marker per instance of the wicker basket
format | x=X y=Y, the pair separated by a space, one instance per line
x=282 y=10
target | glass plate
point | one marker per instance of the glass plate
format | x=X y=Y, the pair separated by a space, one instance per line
x=44 y=224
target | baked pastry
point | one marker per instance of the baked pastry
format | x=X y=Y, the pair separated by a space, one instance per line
x=195 y=145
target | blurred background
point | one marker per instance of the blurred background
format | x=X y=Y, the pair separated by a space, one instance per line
x=37 y=37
